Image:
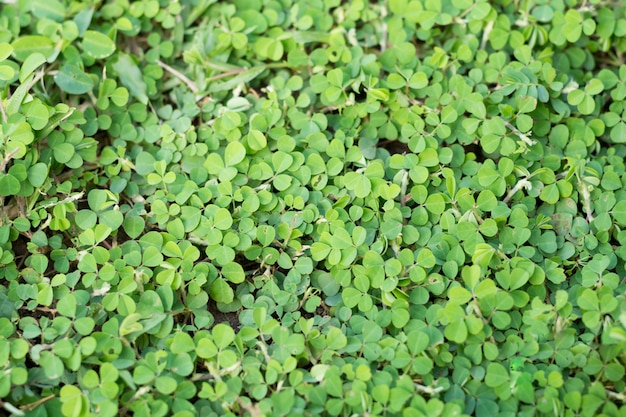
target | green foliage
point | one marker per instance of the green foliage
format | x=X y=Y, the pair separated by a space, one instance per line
x=289 y=208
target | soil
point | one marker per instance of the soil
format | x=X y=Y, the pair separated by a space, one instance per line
x=232 y=318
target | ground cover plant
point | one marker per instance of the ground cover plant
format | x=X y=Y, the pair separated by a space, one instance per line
x=312 y=207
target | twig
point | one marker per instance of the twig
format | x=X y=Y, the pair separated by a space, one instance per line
x=32 y=406
x=179 y=75
x=403 y=187
x=38 y=77
x=486 y=33
x=528 y=141
x=523 y=183
x=7 y=158
x=469 y=9
x=226 y=74
x=427 y=390
x=69 y=199
x=12 y=409
x=586 y=200
x=141 y=391
x=616 y=395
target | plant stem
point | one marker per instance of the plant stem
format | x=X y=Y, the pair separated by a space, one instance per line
x=69 y=199
x=523 y=183
x=427 y=390
x=139 y=393
x=7 y=158
x=179 y=75
x=32 y=406
x=486 y=32
x=616 y=395
x=528 y=141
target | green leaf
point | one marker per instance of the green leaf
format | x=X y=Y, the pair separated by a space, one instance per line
x=476 y=105
x=619 y=213
x=524 y=123
x=83 y=19
x=222 y=220
x=425 y=258
x=234 y=153
x=73 y=80
x=36 y=114
x=233 y=272
x=351 y=297
x=84 y=325
x=550 y=194
x=26 y=46
x=134 y=226
x=16 y=99
x=587 y=106
x=456 y=331
x=166 y=384
x=436 y=203
x=256 y=140
x=418 y=80
x=448 y=115
x=182 y=343
x=320 y=250
x=459 y=295
x=417 y=342
x=97 y=45
x=618 y=133
x=335 y=339
x=614 y=372
x=131 y=77
x=223 y=335
x=265 y=235
x=575 y=97
x=30 y=64
x=483 y=254
x=496 y=375
x=594 y=86
x=487 y=176
x=358 y=183
x=588 y=300
x=5 y=51
x=221 y=292
x=281 y=161
x=6 y=72
x=74 y=403
x=271 y=48
x=52 y=365
x=152 y=256
x=63 y=152
x=206 y=348
x=335 y=77
x=49 y=9
x=486 y=201
x=9 y=185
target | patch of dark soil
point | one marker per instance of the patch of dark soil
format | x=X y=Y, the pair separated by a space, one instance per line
x=476 y=149
x=231 y=318
x=20 y=250
x=321 y=311
x=394 y=146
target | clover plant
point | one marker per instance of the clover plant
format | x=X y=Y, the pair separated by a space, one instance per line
x=297 y=208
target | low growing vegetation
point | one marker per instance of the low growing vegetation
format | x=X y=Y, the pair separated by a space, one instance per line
x=312 y=208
